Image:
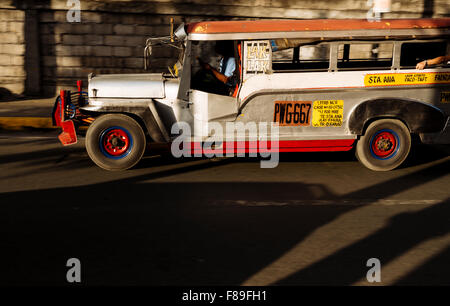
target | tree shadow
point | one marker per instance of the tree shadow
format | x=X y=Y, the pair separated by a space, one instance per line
x=427 y=272
x=141 y=231
x=402 y=233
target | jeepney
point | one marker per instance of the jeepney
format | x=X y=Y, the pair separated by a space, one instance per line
x=329 y=85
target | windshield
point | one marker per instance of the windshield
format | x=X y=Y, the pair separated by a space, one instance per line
x=165 y=53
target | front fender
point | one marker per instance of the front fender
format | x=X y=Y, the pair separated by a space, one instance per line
x=418 y=116
x=144 y=113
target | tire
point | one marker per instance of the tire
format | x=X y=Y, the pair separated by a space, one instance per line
x=385 y=145
x=115 y=142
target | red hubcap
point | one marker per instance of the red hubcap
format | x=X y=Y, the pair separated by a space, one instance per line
x=116 y=142
x=384 y=144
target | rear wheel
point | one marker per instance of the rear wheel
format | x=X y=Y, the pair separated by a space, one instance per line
x=385 y=145
x=115 y=142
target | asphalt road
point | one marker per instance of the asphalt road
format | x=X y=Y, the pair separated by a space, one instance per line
x=314 y=220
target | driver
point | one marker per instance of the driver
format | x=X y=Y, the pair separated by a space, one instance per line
x=220 y=80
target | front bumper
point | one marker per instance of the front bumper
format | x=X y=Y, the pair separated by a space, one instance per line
x=66 y=114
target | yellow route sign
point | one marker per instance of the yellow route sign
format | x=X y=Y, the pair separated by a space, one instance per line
x=395 y=79
x=328 y=113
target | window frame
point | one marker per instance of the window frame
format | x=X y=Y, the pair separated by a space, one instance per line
x=396 y=54
x=363 y=42
x=400 y=44
x=293 y=60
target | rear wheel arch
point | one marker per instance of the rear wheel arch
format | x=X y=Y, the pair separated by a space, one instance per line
x=419 y=117
x=373 y=119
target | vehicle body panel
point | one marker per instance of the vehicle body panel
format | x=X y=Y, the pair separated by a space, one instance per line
x=127 y=86
x=161 y=101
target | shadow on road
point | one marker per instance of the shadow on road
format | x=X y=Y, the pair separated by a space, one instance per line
x=402 y=233
x=144 y=232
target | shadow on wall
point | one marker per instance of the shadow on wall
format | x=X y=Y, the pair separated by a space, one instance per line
x=32 y=64
x=50 y=58
x=428 y=9
x=42 y=69
x=7 y=95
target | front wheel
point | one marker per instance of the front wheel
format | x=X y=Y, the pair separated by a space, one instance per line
x=115 y=142
x=385 y=145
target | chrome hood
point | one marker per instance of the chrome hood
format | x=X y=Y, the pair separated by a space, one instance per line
x=142 y=85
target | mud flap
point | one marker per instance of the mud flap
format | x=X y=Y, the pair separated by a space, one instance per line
x=68 y=135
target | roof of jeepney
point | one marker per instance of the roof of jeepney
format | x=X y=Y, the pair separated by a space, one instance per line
x=316 y=27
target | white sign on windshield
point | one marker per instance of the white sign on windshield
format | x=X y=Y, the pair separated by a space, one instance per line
x=257 y=56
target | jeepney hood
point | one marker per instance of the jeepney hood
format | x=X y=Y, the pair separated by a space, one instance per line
x=142 y=85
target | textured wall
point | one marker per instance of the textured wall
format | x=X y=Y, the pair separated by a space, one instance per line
x=111 y=35
x=12 y=50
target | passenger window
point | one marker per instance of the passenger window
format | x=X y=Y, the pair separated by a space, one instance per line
x=282 y=56
x=365 y=56
x=301 y=58
x=413 y=53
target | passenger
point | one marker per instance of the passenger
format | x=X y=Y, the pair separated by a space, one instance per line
x=434 y=61
x=221 y=80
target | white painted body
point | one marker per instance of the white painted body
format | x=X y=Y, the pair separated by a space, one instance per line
x=142 y=85
x=202 y=108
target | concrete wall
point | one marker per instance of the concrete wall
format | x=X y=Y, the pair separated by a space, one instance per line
x=40 y=51
x=12 y=51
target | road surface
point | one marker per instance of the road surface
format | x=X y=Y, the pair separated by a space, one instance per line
x=316 y=219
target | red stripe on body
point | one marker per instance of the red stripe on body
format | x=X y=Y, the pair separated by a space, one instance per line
x=328 y=145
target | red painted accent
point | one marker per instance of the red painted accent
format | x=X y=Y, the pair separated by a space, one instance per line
x=216 y=27
x=62 y=95
x=57 y=115
x=121 y=147
x=283 y=146
x=236 y=90
x=68 y=135
x=377 y=145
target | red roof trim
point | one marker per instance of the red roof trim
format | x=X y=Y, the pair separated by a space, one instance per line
x=219 y=27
